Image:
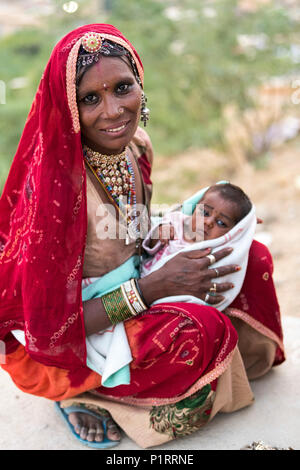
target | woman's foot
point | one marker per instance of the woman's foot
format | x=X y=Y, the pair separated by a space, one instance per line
x=90 y=428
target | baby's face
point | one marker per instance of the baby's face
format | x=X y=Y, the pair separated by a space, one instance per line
x=213 y=216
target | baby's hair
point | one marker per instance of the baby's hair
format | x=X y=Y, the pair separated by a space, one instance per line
x=233 y=193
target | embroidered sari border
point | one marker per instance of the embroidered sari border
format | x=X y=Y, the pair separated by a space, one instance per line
x=264 y=330
x=148 y=402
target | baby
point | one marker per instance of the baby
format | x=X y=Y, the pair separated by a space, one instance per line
x=219 y=210
x=223 y=216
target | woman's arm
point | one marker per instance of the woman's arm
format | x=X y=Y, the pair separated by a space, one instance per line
x=188 y=273
x=95 y=316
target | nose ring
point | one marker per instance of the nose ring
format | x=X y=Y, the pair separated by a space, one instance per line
x=121 y=111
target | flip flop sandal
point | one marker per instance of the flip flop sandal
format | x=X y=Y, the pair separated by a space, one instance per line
x=64 y=413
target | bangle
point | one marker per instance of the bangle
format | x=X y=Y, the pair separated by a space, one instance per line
x=116 y=307
x=132 y=296
x=140 y=294
x=124 y=303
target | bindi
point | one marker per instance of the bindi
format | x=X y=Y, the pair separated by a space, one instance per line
x=105 y=87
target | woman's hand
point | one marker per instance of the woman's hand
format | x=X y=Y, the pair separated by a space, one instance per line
x=188 y=273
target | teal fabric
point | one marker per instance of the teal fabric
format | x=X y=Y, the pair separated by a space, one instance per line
x=121 y=377
x=112 y=280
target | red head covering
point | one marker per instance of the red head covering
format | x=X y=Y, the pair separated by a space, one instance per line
x=43 y=219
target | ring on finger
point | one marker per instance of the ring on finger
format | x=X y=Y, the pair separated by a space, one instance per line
x=217 y=272
x=206 y=299
x=213 y=288
x=211 y=258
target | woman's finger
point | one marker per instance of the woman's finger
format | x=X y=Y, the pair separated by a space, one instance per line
x=214 y=299
x=196 y=254
x=219 y=287
x=220 y=271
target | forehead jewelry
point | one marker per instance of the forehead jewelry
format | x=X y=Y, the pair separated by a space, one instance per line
x=91 y=42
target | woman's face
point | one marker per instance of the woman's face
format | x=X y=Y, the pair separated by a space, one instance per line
x=109 y=105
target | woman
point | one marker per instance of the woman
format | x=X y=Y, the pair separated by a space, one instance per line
x=182 y=359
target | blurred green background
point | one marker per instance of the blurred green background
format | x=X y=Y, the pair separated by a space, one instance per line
x=209 y=66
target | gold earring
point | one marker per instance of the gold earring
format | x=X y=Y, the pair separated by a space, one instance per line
x=145 y=112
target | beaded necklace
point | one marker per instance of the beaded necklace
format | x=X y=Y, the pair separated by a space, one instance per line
x=116 y=175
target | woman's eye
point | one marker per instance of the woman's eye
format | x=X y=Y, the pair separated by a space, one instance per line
x=90 y=99
x=123 y=88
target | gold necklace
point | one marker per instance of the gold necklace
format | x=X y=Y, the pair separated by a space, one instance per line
x=98 y=159
x=113 y=171
x=116 y=175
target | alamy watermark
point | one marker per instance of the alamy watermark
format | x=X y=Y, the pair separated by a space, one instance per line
x=136 y=223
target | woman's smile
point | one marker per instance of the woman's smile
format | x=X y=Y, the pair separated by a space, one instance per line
x=116 y=129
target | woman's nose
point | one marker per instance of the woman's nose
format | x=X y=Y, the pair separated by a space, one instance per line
x=110 y=107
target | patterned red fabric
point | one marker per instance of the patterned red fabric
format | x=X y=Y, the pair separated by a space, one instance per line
x=257 y=303
x=145 y=168
x=177 y=349
x=43 y=221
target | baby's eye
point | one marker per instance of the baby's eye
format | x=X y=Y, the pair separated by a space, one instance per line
x=220 y=223
x=90 y=99
x=203 y=211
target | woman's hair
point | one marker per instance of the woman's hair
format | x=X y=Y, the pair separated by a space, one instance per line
x=108 y=48
x=233 y=193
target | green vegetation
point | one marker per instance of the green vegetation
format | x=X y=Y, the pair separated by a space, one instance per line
x=195 y=59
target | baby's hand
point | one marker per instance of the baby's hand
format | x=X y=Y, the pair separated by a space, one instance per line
x=166 y=233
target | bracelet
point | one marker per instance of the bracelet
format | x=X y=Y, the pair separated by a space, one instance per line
x=124 y=303
x=116 y=306
x=140 y=294
x=133 y=298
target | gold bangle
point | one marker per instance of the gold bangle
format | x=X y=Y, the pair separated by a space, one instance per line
x=133 y=297
x=116 y=307
x=138 y=295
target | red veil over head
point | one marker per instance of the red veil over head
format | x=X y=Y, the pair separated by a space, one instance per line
x=43 y=219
